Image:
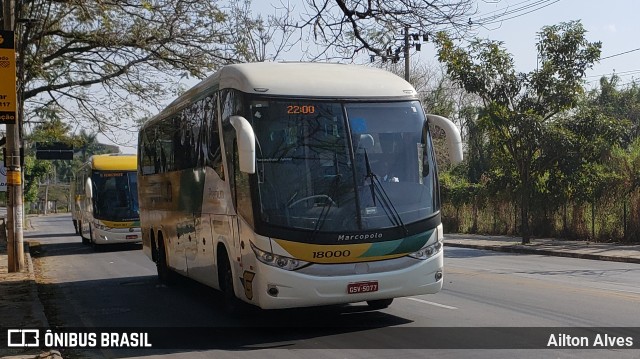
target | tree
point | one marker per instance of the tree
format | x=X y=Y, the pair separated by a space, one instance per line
x=55 y=171
x=257 y=39
x=350 y=26
x=86 y=143
x=519 y=106
x=110 y=62
x=36 y=171
x=619 y=103
x=626 y=163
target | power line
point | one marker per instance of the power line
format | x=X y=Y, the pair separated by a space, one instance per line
x=507 y=13
x=622 y=53
x=621 y=73
x=517 y=11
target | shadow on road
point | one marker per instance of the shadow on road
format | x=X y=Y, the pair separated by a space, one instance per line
x=49 y=235
x=188 y=316
x=40 y=249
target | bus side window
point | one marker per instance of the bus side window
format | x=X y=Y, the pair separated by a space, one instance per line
x=212 y=138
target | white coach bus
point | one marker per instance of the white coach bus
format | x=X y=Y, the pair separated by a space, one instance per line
x=105 y=193
x=295 y=184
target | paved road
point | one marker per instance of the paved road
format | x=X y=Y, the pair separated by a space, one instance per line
x=118 y=288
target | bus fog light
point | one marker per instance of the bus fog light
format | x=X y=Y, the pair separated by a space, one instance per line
x=273 y=291
x=438 y=275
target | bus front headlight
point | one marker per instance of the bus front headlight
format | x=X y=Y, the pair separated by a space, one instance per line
x=277 y=261
x=427 y=251
x=100 y=226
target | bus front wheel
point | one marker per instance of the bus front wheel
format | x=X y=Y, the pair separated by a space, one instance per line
x=379 y=303
x=85 y=240
x=225 y=276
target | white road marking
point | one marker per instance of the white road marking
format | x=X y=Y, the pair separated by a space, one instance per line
x=432 y=303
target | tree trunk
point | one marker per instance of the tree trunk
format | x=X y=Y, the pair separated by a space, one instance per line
x=524 y=216
x=474 y=227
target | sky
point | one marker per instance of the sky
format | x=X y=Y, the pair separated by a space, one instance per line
x=615 y=23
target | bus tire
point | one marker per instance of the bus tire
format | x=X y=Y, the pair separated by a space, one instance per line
x=96 y=247
x=84 y=239
x=225 y=277
x=165 y=274
x=379 y=303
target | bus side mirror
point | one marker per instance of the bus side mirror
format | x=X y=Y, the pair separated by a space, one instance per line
x=454 y=141
x=88 y=188
x=246 y=144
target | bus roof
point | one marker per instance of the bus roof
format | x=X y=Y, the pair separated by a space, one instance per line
x=303 y=79
x=114 y=162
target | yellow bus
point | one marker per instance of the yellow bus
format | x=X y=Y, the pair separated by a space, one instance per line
x=105 y=192
x=295 y=184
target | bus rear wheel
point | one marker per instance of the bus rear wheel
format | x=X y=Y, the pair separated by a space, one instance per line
x=379 y=303
x=165 y=274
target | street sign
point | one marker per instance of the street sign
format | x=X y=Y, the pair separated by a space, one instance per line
x=54 y=151
x=7 y=78
x=3 y=177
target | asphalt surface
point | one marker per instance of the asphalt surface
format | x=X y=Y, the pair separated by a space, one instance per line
x=20 y=306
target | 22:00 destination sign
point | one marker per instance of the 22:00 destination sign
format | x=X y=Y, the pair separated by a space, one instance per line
x=301 y=109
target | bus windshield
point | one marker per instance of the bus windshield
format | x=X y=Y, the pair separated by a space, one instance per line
x=115 y=196
x=341 y=166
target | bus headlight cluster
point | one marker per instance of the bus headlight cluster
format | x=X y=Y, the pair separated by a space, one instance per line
x=427 y=251
x=277 y=261
x=100 y=226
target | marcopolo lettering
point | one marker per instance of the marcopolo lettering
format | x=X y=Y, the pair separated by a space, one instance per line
x=364 y=236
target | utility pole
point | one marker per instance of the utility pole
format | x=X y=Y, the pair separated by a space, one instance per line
x=15 y=245
x=394 y=56
x=406 y=53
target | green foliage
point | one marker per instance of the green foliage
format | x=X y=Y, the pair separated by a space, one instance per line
x=618 y=103
x=102 y=64
x=34 y=170
x=57 y=171
x=456 y=189
x=518 y=106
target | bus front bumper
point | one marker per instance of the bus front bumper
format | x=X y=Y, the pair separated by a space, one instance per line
x=274 y=288
x=116 y=236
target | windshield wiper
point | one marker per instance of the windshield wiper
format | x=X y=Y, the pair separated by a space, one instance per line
x=385 y=201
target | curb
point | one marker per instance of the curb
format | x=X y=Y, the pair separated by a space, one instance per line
x=37 y=309
x=528 y=250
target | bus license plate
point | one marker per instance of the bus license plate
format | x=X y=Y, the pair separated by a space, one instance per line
x=362 y=287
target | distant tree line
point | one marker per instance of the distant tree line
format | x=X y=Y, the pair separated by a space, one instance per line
x=544 y=156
